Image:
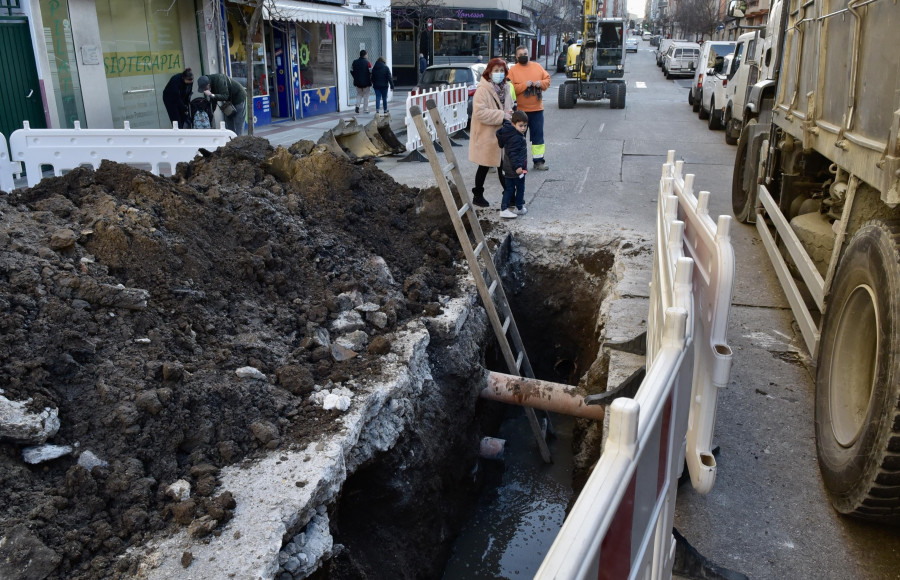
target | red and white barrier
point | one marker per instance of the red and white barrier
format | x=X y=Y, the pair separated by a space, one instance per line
x=158 y=150
x=621 y=523
x=452 y=104
x=8 y=169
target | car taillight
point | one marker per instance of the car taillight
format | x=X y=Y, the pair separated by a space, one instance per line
x=724 y=82
x=699 y=81
x=414 y=91
x=472 y=90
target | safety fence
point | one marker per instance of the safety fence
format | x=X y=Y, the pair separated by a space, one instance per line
x=621 y=523
x=8 y=169
x=157 y=150
x=452 y=103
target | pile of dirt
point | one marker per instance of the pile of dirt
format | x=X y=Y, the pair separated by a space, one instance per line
x=129 y=302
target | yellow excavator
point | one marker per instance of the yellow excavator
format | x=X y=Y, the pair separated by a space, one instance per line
x=596 y=68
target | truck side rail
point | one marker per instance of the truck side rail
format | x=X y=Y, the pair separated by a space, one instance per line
x=157 y=150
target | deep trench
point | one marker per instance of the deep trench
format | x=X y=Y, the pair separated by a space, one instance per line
x=421 y=510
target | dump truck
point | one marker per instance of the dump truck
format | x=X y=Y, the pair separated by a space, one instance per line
x=816 y=169
x=598 y=70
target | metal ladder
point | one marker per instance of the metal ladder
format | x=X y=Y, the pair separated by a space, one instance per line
x=493 y=296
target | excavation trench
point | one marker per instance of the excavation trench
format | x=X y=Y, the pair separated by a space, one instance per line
x=431 y=507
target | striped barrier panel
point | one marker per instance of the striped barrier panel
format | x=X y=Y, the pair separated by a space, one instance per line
x=621 y=523
x=8 y=169
x=157 y=150
x=454 y=107
x=413 y=141
x=452 y=104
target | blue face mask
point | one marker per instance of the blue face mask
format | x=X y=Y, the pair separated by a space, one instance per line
x=498 y=77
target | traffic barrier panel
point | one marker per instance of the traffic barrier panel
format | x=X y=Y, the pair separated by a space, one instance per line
x=67 y=149
x=452 y=104
x=708 y=243
x=8 y=169
x=413 y=140
x=621 y=523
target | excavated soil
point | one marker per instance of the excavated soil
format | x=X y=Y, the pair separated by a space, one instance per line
x=128 y=302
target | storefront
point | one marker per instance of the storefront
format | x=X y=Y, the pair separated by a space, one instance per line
x=457 y=35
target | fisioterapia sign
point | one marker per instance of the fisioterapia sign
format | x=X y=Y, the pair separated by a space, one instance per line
x=130 y=64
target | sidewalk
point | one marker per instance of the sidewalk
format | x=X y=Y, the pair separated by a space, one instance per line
x=286 y=133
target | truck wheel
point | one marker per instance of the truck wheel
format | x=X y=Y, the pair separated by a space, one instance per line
x=858 y=378
x=743 y=198
x=622 y=90
x=567 y=96
x=613 y=96
x=690 y=97
x=713 y=121
x=729 y=122
x=697 y=102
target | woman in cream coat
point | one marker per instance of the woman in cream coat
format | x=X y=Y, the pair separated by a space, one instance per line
x=492 y=104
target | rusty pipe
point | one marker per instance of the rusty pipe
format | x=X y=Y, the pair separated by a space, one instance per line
x=544 y=395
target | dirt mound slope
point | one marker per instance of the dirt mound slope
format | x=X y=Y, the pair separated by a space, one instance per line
x=129 y=302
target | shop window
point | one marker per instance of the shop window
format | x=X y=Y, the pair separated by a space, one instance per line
x=63 y=67
x=237 y=53
x=461 y=44
x=403 y=48
x=316 y=55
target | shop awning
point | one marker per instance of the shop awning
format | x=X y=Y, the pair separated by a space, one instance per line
x=513 y=29
x=309 y=12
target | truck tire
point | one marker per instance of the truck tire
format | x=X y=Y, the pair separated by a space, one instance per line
x=858 y=378
x=691 y=97
x=697 y=102
x=567 y=96
x=728 y=123
x=619 y=90
x=714 y=122
x=613 y=95
x=743 y=198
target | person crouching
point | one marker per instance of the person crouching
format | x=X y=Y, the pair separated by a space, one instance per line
x=511 y=138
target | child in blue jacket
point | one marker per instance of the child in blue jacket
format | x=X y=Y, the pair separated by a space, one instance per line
x=511 y=138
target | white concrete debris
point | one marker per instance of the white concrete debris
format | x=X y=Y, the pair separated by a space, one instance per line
x=180 y=490
x=378 y=319
x=89 y=461
x=42 y=453
x=368 y=307
x=348 y=300
x=355 y=341
x=348 y=322
x=307 y=550
x=321 y=337
x=142 y=340
x=339 y=402
x=250 y=373
x=23 y=426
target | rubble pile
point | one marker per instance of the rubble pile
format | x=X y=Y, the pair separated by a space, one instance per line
x=155 y=330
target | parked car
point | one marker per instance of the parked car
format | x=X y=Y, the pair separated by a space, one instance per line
x=744 y=74
x=561 y=61
x=713 y=97
x=655 y=40
x=709 y=52
x=439 y=75
x=681 y=59
x=631 y=44
x=646 y=36
x=664 y=45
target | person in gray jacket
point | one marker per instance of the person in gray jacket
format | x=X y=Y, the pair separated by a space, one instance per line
x=223 y=91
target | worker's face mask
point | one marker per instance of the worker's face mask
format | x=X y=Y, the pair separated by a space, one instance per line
x=498 y=77
x=522 y=59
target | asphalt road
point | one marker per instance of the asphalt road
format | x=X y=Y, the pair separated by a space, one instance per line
x=768 y=515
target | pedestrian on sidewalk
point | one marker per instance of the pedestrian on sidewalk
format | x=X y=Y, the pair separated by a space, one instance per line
x=381 y=81
x=492 y=104
x=423 y=64
x=530 y=81
x=511 y=138
x=177 y=98
x=229 y=95
x=361 y=70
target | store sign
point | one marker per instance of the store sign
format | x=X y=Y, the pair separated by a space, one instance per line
x=129 y=64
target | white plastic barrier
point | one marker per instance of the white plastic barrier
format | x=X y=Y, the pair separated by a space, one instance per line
x=621 y=523
x=67 y=149
x=452 y=103
x=8 y=169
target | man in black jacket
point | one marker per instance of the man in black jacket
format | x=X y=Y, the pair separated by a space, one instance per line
x=362 y=80
x=177 y=98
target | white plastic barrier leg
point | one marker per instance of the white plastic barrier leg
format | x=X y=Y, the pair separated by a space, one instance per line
x=621 y=524
x=67 y=149
x=8 y=169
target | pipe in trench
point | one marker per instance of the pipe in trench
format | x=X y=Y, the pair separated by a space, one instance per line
x=544 y=395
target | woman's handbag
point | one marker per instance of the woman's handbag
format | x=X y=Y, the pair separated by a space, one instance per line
x=227 y=108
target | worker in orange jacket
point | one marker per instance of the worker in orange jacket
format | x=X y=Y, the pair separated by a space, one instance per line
x=530 y=80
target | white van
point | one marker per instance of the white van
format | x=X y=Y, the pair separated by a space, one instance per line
x=745 y=72
x=664 y=45
x=709 y=52
x=681 y=59
x=712 y=96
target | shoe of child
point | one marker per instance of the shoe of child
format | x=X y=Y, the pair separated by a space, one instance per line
x=507 y=214
x=521 y=210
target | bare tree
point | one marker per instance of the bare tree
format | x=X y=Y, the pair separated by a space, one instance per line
x=418 y=12
x=550 y=19
x=697 y=17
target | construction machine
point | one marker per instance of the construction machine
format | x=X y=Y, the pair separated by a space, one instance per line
x=598 y=68
x=818 y=171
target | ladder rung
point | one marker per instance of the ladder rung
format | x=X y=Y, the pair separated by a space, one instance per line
x=462 y=211
x=492 y=288
x=448 y=168
x=519 y=360
x=506 y=324
x=479 y=247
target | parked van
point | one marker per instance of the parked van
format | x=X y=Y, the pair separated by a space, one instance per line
x=712 y=96
x=664 y=45
x=681 y=59
x=709 y=52
x=745 y=72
